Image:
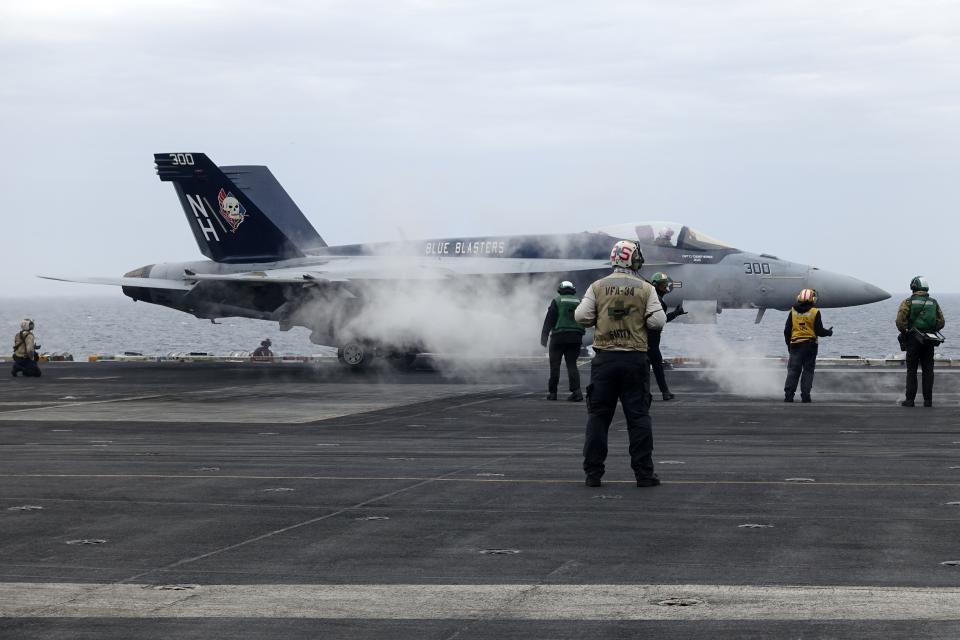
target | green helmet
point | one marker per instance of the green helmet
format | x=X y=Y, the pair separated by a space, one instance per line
x=660 y=277
x=919 y=284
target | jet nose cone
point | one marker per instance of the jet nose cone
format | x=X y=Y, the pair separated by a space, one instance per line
x=838 y=290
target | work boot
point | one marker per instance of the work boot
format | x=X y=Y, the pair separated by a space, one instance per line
x=805 y=399
x=906 y=403
x=788 y=398
x=928 y=403
x=668 y=396
x=592 y=481
x=552 y=395
x=575 y=396
x=652 y=481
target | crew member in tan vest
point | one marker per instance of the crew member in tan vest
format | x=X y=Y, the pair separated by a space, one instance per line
x=25 y=351
x=621 y=307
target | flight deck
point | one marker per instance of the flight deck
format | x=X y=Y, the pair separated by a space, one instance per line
x=302 y=500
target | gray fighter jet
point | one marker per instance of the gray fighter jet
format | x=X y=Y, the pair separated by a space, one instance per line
x=266 y=261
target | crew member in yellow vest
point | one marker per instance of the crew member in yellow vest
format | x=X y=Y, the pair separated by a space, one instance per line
x=622 y=307
x=566 y=339
x=804 y=326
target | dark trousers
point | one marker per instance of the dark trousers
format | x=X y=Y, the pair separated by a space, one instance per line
x=27 y=366
x=623 y=376
x=569 y=352
x=656 y=359
x=919 y=354
x=803 y=361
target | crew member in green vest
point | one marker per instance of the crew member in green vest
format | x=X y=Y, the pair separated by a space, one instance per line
x=623 y=307
x=566 y=340
x=804 y=326
x=919 y=314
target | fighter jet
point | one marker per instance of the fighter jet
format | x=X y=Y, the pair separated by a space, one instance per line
x=266 y=261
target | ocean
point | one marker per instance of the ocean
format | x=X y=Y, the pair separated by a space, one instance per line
x=83 y=326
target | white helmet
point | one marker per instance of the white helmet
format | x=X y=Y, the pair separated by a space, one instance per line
x=26 y=324
x=566 y=287
x=626 y=254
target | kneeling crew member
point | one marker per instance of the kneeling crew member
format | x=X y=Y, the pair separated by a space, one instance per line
x=922 y=313
x=803 y=327
x=25 y=351
x=664 y=285
x=622 y=306
x=566 y=339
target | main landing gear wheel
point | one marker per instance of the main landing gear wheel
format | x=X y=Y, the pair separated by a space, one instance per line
x=355 y=354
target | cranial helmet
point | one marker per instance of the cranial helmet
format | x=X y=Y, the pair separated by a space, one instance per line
x=626 y=254
x=661 y=277
x=566 y=287
x=26 y=324
x=266 y=342
x=919 y=284
x=807 y=295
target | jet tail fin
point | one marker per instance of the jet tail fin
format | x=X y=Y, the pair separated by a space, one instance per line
x=260 y=185
x=226 y=223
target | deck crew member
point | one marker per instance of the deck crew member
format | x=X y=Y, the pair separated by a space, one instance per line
x=25 y=351
x=918 y=315
x=622 y=306
x=804 y=325
x=263 y=351
x=565 y=338
x=664 y=285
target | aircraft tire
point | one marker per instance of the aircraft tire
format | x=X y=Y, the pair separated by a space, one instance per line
x=355 y=355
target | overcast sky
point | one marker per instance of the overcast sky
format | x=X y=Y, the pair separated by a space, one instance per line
x=825 y=132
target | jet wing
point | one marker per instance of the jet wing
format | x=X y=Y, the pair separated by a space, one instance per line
x=359 y=268
x=144 y=283
x=355 y=268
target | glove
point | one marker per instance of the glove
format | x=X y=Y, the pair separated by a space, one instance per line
x=680 y=311
x=830 y=331
x=543 y=342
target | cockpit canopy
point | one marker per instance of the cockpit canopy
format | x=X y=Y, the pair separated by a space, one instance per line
x=665 y=234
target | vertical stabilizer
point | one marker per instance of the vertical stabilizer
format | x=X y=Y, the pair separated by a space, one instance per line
x=264 y=189
x=227 y=224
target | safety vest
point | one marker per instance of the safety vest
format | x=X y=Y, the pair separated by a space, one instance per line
x=923 y=313
x=803 y=325
x=621 y=309
x=566 y=305
x=23 y=345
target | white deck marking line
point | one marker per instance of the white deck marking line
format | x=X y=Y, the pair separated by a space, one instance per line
x=480 y=602
x=65 y=405
x=212 y=476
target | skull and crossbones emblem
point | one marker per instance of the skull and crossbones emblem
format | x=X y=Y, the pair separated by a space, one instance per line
x=231 y=209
